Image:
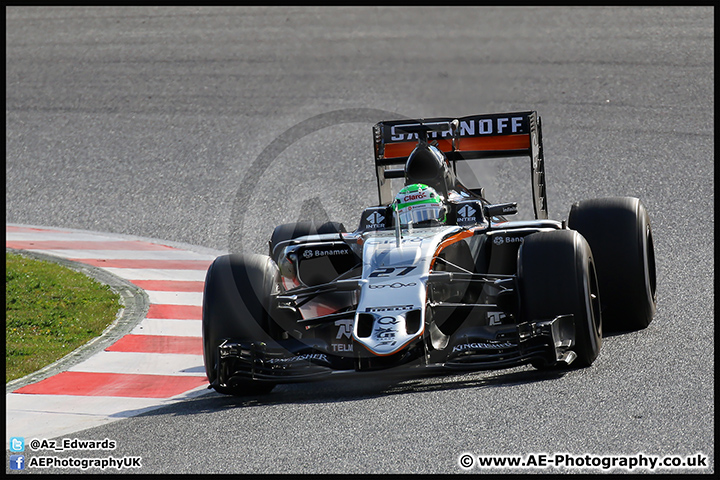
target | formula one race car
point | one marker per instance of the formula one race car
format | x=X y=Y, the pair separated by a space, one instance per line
x=434 y=275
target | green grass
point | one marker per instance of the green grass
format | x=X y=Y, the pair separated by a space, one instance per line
x=50 y=310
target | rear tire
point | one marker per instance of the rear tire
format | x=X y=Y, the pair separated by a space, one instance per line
x=235 y=306
x=557 y=276
x=619 y=233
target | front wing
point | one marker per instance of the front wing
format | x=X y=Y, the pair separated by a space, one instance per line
x=542 y=343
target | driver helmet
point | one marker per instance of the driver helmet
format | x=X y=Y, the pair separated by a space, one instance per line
x=419 y=203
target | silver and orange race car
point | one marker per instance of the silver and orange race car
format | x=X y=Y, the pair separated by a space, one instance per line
x=435 y=275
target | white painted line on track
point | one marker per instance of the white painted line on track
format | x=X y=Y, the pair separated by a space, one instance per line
x=175 y=298
x=142 y=363
x=161 y=326
x=158 y=274
x=43 y=236
x=128 y=254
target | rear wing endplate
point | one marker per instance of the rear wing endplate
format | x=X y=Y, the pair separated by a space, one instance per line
x=466 y=138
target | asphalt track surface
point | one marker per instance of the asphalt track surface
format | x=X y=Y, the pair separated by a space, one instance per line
x=208 y=126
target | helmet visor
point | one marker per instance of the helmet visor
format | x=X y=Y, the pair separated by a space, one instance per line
x=422 y=212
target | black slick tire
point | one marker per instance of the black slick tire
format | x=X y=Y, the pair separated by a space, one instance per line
x=557 y=276
x=619 y=233
x=235 y=306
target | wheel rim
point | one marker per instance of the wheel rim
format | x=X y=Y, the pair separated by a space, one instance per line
x=650 y=264
x=594 y=297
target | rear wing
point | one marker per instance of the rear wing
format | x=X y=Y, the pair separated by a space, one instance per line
x=466 y=138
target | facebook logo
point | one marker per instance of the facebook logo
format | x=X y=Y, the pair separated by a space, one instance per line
x=17 y=462
x=17 y=444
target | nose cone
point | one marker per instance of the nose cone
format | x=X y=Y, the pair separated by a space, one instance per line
x=385 y=333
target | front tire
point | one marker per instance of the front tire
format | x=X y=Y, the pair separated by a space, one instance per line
x=556 y=271
x=235 y=306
